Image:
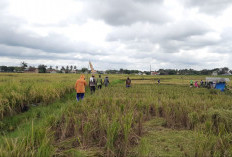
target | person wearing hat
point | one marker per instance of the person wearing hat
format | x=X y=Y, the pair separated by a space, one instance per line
x=80 y=87
x=92 y=84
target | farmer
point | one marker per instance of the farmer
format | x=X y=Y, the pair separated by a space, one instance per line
x=92 y=83
x=99 y=82
x=80 y=87
x=196 y=84
x=128 y=82
x=191 y=83
x=202 y=83
x=106 y=81
x=158 y=81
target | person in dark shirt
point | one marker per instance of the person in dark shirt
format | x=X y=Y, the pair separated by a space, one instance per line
x=128 y=82
x=106 y=81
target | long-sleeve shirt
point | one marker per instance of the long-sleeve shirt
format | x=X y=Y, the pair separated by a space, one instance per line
x=80 y=85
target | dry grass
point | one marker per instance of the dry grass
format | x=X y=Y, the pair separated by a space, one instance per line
x=112 y=120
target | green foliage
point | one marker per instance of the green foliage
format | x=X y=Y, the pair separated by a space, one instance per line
x=173 y=119
x=42 y=68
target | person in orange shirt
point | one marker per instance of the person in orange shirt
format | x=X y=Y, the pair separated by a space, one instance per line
x=80 y=87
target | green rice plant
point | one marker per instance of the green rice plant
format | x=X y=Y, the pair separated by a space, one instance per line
x=36 y=143
x=127 y=126
x=112 y=132
x=143 y=149
x=112 y=119
x=194 y=119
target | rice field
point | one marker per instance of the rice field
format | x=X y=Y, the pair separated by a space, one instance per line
x=18 y=91
x=169 y=119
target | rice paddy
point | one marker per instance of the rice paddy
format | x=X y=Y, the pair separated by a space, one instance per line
x=147 y=119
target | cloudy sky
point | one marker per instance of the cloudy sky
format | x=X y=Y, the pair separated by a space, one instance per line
x=113 y=34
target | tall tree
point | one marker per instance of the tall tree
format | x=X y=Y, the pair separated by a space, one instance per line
x=84 y=70
x=23 y=65
x=67 y=69
x=3 y=68
x=42 y=68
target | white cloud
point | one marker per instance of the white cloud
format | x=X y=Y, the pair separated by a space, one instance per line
x=44 y=12
x=116 y=33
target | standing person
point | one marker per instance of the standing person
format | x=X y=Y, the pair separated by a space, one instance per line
x=191 y=83
x=158 y=81
x=128 y=82
x=206 y=84
x=80 y=87
x=202 y=83
x=106 y=81
x=92 y=83
x=196 y=84
x=99 y=82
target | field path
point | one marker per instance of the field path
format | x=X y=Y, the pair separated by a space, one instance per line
x=166 y=142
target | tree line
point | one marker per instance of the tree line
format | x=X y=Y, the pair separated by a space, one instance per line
x=73 y=68
x=219 y=71
x=41 y=68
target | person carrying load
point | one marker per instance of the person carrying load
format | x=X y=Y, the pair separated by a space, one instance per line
x=80 y=87
x=92 y=84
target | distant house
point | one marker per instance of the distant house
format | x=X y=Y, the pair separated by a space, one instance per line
x=214 y=73
x=226 y=74
x=154 y=73
x=53 y=71
x=140 y=73
x=31 y=70
x=73 y=71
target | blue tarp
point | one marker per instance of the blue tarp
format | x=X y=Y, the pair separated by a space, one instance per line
x=221 y=86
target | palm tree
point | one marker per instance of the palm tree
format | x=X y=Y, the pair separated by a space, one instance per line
x=23 y=65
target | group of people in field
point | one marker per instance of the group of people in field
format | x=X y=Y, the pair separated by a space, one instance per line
x=93 y=83
x=195 y=84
